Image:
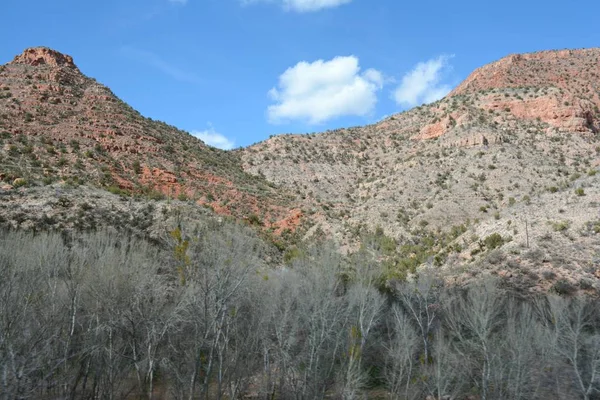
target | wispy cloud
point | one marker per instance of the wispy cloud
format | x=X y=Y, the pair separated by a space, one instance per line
x=157 y=62
x=322 y=90
x=302 y=5
x=423 y=83
x=214 y=138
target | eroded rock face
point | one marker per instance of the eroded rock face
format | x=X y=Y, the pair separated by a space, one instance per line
x=560 y=88
x=65 y=126
x=434 y=130
x=44 y=56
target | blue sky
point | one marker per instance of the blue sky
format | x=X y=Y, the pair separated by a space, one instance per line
x=236 y=71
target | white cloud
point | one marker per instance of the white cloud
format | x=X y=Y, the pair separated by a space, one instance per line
x=422 y=84
x=213 y=138
x=302 y=5
x=374 y=76
x=322 y=90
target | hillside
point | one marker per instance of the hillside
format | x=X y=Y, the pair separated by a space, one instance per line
x=500 y=176
x=57 y=125
x=515 y=143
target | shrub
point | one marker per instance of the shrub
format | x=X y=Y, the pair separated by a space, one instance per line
x=563 y=287
x=291 y=254
x=155 y=195
x=61 y=162
x=99 y=149
x=117 y=190
x=585 y=284
x=254 y=219
x=493 y=241
x=19 y=182
x=548 y=275
x=560 y=226
x=580 y=192
x=182 y=197
x=496 y=257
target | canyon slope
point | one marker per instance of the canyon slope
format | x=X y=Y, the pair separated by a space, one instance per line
x=500 y=176
x=512 y=152
x=58 y=125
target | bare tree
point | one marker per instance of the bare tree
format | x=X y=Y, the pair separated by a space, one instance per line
x=574 y=325
x=473 y=319
x=216 y=280
x=401 y=351
x=420 y=299
x=365 y=307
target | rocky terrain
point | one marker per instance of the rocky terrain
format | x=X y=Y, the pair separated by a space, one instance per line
x=57 y=125
x=517 y=143
x=499 y=177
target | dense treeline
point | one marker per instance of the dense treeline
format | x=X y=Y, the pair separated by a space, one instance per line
x=103 y=316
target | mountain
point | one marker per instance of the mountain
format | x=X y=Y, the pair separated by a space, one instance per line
x=498 y=177
x=512 y=151
x=56 y=124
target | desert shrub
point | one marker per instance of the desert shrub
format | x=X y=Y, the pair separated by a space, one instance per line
x=117 y=190
x=560 y=226
x=254 y=219
x=13 y=150
x=493 y=241
x=586 y=284
x=291 y=254
x=62 y=162
x=496 y=257
x=535 y=254
x=19 y=182
x=563 y=287
x=549 y=275
x=182 y=196
x=591 y=228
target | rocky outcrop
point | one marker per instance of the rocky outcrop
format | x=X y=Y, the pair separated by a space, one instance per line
x=560 y=88
x=36 y=56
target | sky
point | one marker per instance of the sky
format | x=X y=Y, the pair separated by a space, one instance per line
x=234 y=72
